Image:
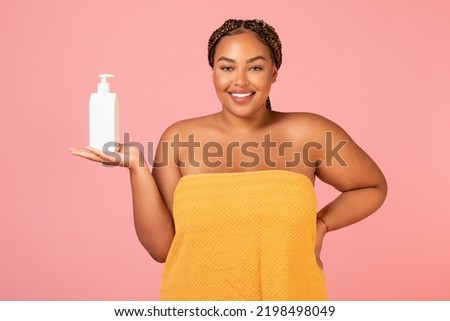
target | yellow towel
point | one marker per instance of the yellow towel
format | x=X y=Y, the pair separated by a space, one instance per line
x=244 y=236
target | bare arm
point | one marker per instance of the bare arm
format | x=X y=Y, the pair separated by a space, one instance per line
x=350 y=170
x=361 y=183
x=152 y=218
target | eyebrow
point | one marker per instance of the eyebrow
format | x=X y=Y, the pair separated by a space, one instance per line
x=248 y=61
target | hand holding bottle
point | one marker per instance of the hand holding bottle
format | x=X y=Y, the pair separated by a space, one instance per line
x=104 y=131
x=126 y=156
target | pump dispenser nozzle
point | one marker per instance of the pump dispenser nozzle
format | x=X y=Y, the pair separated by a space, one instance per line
x=103 y=85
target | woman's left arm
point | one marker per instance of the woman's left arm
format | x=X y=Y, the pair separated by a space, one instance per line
x=345 y=166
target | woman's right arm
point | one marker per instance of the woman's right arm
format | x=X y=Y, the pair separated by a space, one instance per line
x=151 y=200
x=152 y=219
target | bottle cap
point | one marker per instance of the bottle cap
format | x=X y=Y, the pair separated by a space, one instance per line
x=103 y=85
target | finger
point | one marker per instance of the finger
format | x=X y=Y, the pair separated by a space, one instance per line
x=116 y=159
x=78 y=151
x=73 y=150
x=319 y=262
x=85 y=154
x=117 y=148
x=95 y=151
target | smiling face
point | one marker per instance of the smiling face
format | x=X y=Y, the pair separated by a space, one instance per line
x=243 y=73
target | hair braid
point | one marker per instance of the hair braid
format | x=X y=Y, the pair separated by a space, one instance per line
x=264 y=32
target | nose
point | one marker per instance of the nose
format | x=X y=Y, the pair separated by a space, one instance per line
x=240 y=78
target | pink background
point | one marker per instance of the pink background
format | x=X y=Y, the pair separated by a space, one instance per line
x=380 y=69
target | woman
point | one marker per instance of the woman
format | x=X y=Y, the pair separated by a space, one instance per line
x=229 y=204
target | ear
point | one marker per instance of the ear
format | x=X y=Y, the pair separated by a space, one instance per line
x=274 y=74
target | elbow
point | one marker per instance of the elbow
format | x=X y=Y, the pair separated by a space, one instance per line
x=157 y=254
x=159 y=258
x=157 y=249
x=381 y=189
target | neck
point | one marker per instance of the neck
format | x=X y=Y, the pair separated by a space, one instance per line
x=243 y=124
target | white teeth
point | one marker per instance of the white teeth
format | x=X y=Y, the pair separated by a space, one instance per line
x=239 y=95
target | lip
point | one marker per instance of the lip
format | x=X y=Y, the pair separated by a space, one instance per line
x=244 y=96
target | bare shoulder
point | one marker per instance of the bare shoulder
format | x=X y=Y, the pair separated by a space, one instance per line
x=312 y=119
x=310 y=126
x=166 y=169
x=340 y=161
x=185 y=127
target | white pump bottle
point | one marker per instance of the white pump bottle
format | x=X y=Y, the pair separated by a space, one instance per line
x=104 y=117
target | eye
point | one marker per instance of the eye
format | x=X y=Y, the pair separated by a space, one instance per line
x=226 y=68
x=256 y=68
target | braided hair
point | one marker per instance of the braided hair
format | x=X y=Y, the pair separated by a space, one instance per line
x=263 y=31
